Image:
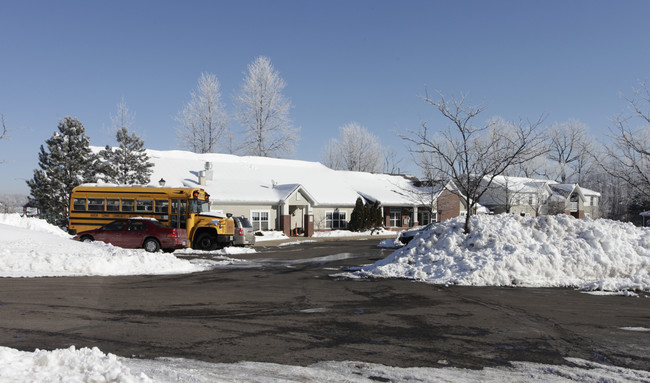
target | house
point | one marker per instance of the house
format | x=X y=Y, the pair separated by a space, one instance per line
x=646 y=218
x=518 y=195
x=529 y=196
x=302 y=196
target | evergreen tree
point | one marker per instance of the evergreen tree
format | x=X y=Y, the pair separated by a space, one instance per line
x=357 y=218
x=376 y=221
x=127 y=164
x=67 y=162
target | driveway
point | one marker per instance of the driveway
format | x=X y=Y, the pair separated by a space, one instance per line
x=287 y=305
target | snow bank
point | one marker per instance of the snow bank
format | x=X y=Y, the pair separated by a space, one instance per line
x=31 y=247
x=503 y=250
x=30 y=223
x=92 y=365
x=68 y=365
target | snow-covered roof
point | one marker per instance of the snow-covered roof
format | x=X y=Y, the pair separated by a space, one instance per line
x=249 y=180
x=563 y=190
x=519 y=184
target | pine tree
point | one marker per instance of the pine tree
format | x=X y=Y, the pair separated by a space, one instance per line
x=127 y=164
x=67 y=162
x=358 y=216
x=376 y=221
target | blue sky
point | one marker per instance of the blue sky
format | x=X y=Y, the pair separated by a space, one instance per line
x=343 y=61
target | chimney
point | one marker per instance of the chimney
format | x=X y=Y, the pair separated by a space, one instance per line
x=208 y=171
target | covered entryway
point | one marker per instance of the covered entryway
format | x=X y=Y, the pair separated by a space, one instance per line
x=297 y=217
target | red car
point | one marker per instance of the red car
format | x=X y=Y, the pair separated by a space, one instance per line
x=137 y=233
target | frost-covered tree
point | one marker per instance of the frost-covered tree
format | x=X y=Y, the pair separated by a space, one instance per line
x=203 y=120
x=127 y=164
x=356 y=149
x=67 y=162
x=627 y=157
x=470 y=153
x=263 y=111
x=569 y=147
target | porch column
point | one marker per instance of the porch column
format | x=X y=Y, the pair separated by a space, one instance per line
x=308 y=226
x=415 y=216
x=285 y=219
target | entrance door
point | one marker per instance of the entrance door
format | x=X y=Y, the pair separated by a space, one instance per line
x=178 y=218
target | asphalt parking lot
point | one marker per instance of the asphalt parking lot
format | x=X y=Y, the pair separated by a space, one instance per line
x=289 y=304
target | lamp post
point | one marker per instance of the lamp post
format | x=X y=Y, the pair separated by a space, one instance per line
x=161 y=182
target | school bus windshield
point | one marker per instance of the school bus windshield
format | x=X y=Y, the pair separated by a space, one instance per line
x=198 y=206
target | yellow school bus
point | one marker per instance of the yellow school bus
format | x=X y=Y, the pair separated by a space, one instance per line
x=92 y=206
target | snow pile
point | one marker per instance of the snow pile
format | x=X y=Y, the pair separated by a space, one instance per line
x=502 y=250
x=31 y=223
x=92 y=365
x=68 y=365
x=31 y=247
x=270 y=236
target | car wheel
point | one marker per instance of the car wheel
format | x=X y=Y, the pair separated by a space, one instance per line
x=151 y=245
x=206 y=241
x=87 y=238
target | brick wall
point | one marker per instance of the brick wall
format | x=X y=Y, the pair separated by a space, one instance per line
x=448 y=205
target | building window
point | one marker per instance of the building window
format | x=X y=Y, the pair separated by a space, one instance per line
x=395 y=217
x=260 y=220
x=424 y=218
x=336 y=220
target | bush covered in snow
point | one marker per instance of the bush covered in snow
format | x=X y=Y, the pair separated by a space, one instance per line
x=504 y=250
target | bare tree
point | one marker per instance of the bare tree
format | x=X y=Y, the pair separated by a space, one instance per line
x=628 y=155
x=391 y=162
x=3 y=135
x=203 y=120
x=569 y=145
x=356 y=149
x=124 y=118
x=466 y=153
x=264 y=112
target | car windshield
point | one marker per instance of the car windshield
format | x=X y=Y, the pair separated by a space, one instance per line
x=428 y=227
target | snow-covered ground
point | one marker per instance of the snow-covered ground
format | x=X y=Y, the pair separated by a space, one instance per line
x=30 y=247
x=506 y=250
x=92 y=365
x=549 y=251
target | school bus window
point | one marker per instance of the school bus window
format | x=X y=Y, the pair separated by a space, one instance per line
x=144 y=205
x=162 y=206
x=112 y=204
x=95 y=204
x=127 y=205
x=79 y=204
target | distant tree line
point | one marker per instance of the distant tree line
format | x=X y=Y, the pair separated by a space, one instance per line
x=469 y=150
